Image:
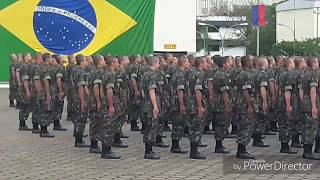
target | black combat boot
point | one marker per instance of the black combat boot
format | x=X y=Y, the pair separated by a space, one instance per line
x=234 y=130
x=160 y=142
x=286 y=149
x=79 y=143
x=166 y=125
x=35 y=128
x=220 y=149
x=123 y=136
x=194 y=153
x=175 y=148
x=106 y=153
x=317 y=145
x=296 y=142
x=18 y=105
x=23 y=126
x=186 y=131
x=273 y=126
x=242 y=153
x=149 y=154
x=11 y=104
x=45 y=133
x=307 y=153
x=207 y=130
x=257 y=141
x=268 y=131
x=134 y=126
x=94 y=148
x=57 y=126
x=117 y=142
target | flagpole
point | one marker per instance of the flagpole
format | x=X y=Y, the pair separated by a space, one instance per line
x=258 y=41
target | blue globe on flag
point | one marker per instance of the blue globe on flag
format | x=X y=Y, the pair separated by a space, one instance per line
x=64 y=26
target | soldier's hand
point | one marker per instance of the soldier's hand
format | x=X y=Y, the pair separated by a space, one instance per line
x=99 y=106
x=155 y=112
x=83 y=107
x=201 y=112
x=137 y=93
x=182 y=109
x=289 y=110
x=61 y=96
x=265 y=107
x=49 y=99
x=273 y=101
x=314 y=113
x=111 y=111
x=28 y=94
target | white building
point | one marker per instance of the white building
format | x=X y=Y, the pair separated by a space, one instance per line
x=221 y=35
x=299 y=19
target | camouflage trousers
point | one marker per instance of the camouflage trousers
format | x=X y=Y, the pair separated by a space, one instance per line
x=178 y=125
x=108 y=129
x=58 y=109
x=43 y=116
x=151 y=128
x=297 y=123
x=196 y=126
x=245 y=128
x=25 y=110
x=12 y=92
x=79 y=119
x=285 y=130
x=309 y=128
x=220 y=125
x=120 y=121
x=94 y=124
x=260 y=123
x=134 y=113
x=70 y=109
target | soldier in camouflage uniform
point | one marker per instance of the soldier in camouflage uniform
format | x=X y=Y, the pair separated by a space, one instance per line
x=261 y=100
x=18 y=82
x=70 y=84
x=309 y=107
x=135 y=92
x=272 y=117
x=94 y=118
x=297 y=122
x=79 y=100
x=222 y=107
x=35 y=88
x=120 y=92
x=112 y=108
x=42 y=80
x=151 y=106
x=196 y=106
x=178 y=105
x=287 y=104
x=24 y=93
x=58 y=81
x=245 y=107
x=12 y=80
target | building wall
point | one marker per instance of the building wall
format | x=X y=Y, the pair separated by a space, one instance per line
x=228 y=51
x=305 y=24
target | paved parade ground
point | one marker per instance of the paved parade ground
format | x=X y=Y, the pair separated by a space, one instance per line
x=24 y=155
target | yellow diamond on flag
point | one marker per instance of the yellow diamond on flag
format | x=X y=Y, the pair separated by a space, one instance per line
x=18 y=19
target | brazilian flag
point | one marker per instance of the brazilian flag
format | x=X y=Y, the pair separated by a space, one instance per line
x=117 y=27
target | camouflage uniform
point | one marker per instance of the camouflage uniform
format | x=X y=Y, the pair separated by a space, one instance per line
x=272 y=116
x=287 y=82
x=245 y=121
x=12 y=83
x=234 y=96
x=70 y=69
x=79 y=118
x=109 y=125
x=310 y=126
x=260 y=80
x=121 y=95
x=178 y=82
x=59 y=104
x=25 y=104
x=209 y=116
x=150 y=81
x=94 y=120
x=33 y=92
x=221 y=84
x=42 y=73
x=196 y=80
x=135 y=102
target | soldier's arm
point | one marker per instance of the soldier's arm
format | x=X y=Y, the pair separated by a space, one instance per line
x=210 y=88
x=313 y=96
x=263 y=94
x=301 y=94
x=153 y=98
x=272 y=91
x=13 y=75
x=25 y=81
x=97 y=91
x=47 y=87
x=109 y=88
x=59 y=84
x=37 y=81
x=81 y=92
x=287 y=90
x=247 y=99
x=134 y=85
x=18 y=76
x=224 y=89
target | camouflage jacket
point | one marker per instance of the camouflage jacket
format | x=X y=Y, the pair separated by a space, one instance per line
x=310 y=78
x=221 y=83
x=79 y=79
x=244 y=81
x=150 y=81
x=260 y=80
x=178 y=82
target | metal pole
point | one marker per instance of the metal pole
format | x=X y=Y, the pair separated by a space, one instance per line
x=258 y=41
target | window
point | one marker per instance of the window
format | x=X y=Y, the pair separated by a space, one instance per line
x=212 y=29
x=213 y=48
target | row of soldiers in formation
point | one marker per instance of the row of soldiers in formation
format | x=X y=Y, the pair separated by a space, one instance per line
x=250 y=94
